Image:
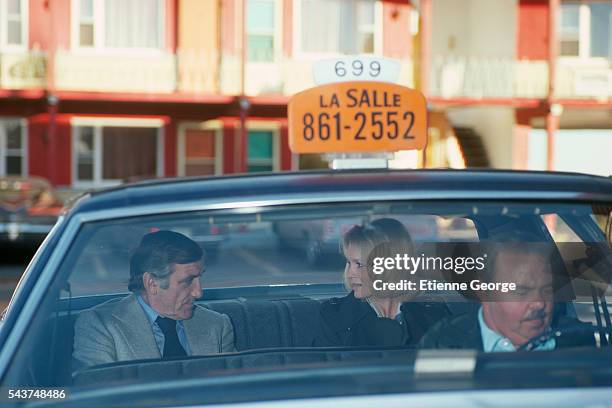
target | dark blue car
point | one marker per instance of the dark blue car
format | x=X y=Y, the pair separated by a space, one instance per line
x=273 y=297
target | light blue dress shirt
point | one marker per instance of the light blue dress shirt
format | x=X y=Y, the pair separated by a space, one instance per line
x=492 y=341
x=157 y=331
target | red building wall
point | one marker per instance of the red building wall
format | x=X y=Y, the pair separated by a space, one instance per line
x=288 y=28
x=229 y=145
x=532 y=41
x=396 y=25
x=170 y=144
x=520 y=147
x=171 y=25
x=49 y=24
x=50 y=155
x=61 y=163
x=37 y=145
x=229 y=42
x=285 y=153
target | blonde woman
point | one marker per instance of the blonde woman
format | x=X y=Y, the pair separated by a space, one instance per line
x=368 y=317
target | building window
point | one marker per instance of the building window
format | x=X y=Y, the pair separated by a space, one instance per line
x=601 y=30
x=13 y=23
x=86 y=23
x=585 y=30
x=569 y=32
x=84 y=148
x=261 y=30
x=344 y=27
x=12 y=148
x=260 y=151
x=200 y=152
x=108 y=155
x=119 y=23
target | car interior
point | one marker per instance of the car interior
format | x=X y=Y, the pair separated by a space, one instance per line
x=274 y=324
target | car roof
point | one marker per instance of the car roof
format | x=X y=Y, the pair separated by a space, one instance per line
x=423 y=184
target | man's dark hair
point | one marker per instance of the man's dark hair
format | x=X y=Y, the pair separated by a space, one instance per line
x=518 y=242
x=156 y=254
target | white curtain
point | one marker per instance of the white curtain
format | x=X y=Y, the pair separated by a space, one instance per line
x=320 y=19
x=333 y=25
x=133 y=23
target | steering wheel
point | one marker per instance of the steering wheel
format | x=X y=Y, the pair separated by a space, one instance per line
x=557 y=332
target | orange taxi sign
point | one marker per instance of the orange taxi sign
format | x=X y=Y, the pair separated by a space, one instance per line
x=360 y=116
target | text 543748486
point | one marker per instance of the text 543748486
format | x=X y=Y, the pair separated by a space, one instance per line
x=32 y=393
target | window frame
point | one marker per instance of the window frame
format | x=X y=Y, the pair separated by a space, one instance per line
x=584 y=34
x=4 y=45
x=23 y=124
x=266 y=126
x=213 y=125
x=99 y=19
x=276 y=32
x=98 y=124
x=306 y=55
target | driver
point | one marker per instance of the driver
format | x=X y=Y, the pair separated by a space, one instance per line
x=159 y=319
x=507 y=322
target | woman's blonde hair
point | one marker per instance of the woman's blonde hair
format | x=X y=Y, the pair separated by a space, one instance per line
x=382 y=238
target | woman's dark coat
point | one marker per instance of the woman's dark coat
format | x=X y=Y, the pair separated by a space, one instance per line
x=348 y=321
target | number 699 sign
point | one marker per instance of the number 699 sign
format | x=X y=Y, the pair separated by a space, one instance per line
x=357 y=117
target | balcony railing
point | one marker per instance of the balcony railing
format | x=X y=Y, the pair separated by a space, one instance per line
x=211 y=72
x=104 y=72
x=482 y=78
x=198 y=71
x=187 y=71
x=22 y=70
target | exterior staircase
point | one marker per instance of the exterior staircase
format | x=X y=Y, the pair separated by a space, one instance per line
x=472 y=147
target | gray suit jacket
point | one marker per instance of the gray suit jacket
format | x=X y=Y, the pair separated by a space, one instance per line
x=119 y=330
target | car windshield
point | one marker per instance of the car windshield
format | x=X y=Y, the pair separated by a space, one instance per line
x=276 y=271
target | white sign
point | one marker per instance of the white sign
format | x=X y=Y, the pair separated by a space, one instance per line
x=593 y=82
x=357 y=68
x=359 y=163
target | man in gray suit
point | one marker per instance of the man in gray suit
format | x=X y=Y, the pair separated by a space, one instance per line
x=159 y=319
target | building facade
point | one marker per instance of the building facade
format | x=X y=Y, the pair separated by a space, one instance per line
x=98 y=92
x=532 y=79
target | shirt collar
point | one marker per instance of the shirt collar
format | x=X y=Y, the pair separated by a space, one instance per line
x=372 y=304
x=493 y=341
x=149 y=311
